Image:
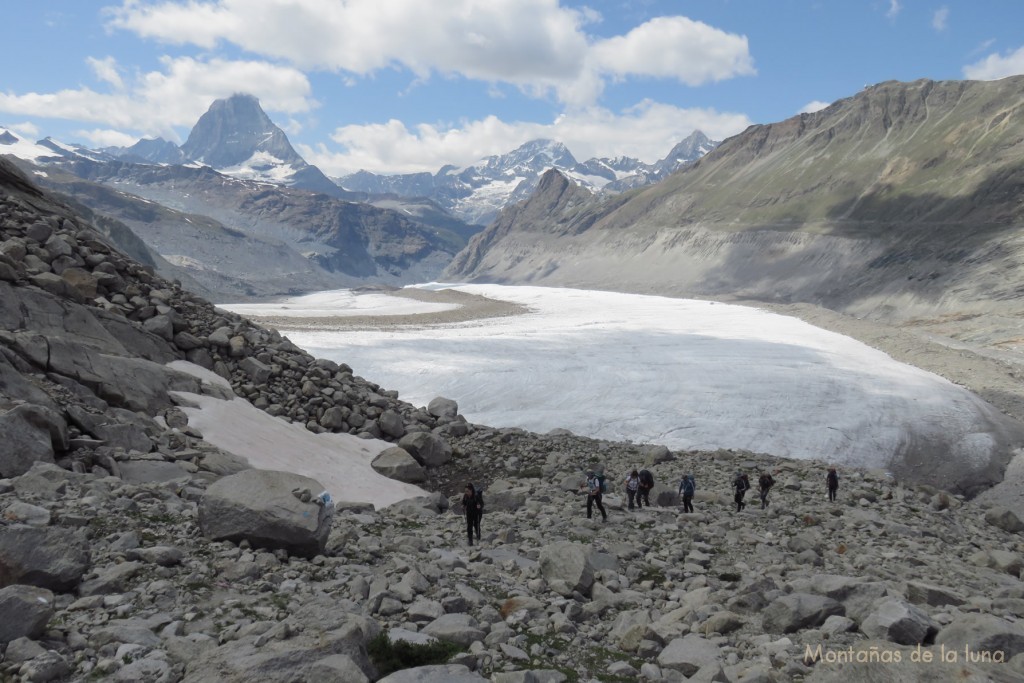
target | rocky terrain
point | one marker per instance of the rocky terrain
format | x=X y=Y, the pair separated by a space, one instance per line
x=133 y=550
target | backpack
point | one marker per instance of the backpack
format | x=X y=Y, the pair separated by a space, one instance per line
x=602 y=485
x=688 y=486
x=767 y=481
x=833 y=480
x=480 y=500
x=742 y=483
x=646 y=479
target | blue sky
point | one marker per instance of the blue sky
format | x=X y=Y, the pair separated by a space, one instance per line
x=410 y=85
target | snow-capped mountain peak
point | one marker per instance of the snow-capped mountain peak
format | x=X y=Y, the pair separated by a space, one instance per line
x=476 y=193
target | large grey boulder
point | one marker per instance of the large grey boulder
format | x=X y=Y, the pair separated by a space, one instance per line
x=857 y=595
x=30 y=434
x=26 y=610
x=797 y=611
x=503 y=494
x=443 y=407
x=396 y=463
x=259 y=506
x=462 y=629
x=921 y=593
x=429 y=449
x=1005 y=519
x=144 y=471
x=688 y=654
x=51 y=557
x=983 y=633
x=567 y=567
x=900 y=622
x=282 y=655
x=435 y=673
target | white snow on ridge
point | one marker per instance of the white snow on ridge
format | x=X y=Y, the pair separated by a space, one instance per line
x=687 y=374
x=29 y=151
x=340 y=462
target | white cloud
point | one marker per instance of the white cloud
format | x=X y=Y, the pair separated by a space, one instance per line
x=25 y=130
x=648 y=131
x=894 y=9
x=535 y=45
x=106 y=138
x=157 y=101
x=106 y=70
x=996 y=66
x=675 y=47
x=940 y=20
x=811 y=107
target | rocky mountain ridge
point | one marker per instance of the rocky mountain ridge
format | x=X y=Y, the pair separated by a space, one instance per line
x=479 y=191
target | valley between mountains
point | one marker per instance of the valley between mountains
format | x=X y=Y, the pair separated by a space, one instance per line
x=163 y=509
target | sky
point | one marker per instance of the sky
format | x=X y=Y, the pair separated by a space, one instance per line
x=398 y=86
x=646 y=369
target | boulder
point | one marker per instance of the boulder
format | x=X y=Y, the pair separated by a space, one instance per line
x=259 y=506
x=26 y=611
x=391 y=424
x=51 y=557
x=921 y=593
x=396 y=463
x=688 y=654
x=435 y=673
x=258 y=371
x=983 y=633
x=900 y=622
x=443 y=407
x=29 y=434
x=1005 y=519
x=461 y=629
x=144 y=471
x=567 y=565
x=797 y=611
x=429 y=449
x=283 y=654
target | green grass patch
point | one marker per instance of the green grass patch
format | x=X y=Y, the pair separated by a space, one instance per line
x=390 y=656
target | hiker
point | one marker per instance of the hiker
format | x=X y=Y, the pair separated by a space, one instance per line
x=593 y=490
x=832 y=479
x=764 y=483
x=741 y=484
x=643 y=492
x=632 y=484
x=687 y=487
x=473 y=505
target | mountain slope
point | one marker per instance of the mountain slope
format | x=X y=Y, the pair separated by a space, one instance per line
x=210 y=258
x=345 y=243
x=900 y=203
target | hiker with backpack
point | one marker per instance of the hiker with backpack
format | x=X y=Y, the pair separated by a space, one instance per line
x=593 y=488
x=643 y=491
x=632 y=485
x=764 y=483
x=473 y=505
x=741 y=483
x=687 y=487
x=832 y=480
